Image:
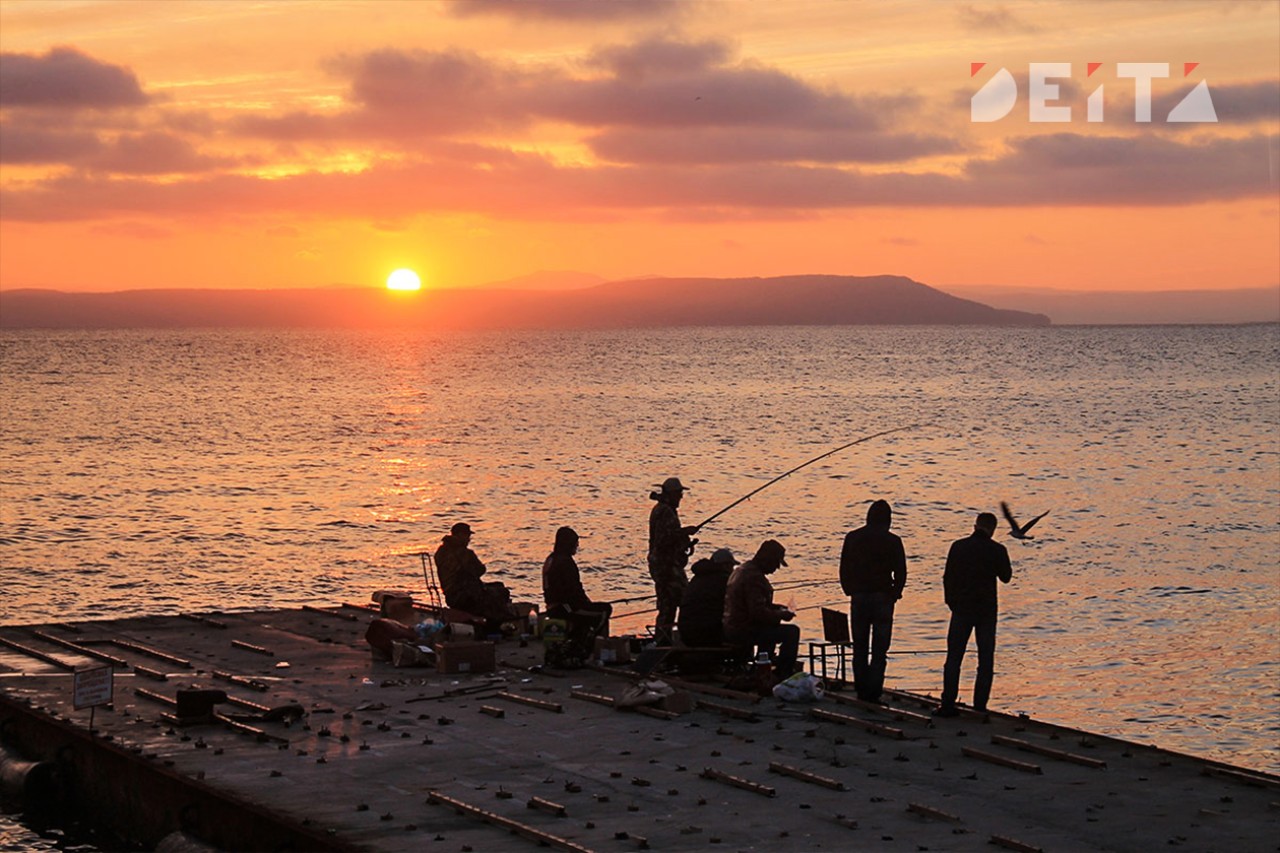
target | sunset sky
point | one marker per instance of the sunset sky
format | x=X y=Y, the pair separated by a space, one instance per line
x=325 y=142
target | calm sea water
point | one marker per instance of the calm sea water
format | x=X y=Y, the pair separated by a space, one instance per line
x=167 y=471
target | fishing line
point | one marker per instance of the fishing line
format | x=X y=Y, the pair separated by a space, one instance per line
x=819 y=458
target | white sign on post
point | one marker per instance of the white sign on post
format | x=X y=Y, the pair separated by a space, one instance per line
x=93 y=687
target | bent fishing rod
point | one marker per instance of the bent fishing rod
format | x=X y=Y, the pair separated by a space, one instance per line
x=819 y=458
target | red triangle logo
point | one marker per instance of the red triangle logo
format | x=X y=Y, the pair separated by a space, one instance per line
x=975 y=67
x=1093 y=66
x=1188 y=67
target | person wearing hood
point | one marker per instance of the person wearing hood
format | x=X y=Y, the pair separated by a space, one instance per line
x=873 y=573
x=562 y=591
x=461 y=574
x=751 y=617
x=670 y=545
x=702 y=611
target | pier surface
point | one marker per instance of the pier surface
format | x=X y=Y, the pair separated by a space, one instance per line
x=322 y=747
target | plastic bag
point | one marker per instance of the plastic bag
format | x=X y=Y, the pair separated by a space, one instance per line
x=800 y=687
x=648 y=692
x=428 y=628
x=411 y=654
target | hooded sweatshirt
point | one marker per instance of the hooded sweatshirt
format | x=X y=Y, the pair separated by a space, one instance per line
x=873 y=559
x=702 y=610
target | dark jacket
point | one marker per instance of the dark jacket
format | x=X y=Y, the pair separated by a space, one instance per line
x=562 y=582
x=748 y=601
x=873 y=559
x=702 y=610
x=969 y=581
x=460 y=571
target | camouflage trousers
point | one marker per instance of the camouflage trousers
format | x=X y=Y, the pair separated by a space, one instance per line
x=670 y=583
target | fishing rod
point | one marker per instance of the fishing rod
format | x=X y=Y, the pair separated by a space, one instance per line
x=783 y=587
x=819 y=458
x=632 y=600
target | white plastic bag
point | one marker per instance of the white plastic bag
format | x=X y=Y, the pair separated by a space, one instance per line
x=800 y=687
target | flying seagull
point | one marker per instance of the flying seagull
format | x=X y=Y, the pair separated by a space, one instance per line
x=1019 y=531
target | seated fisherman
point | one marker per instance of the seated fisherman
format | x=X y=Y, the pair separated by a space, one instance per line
x=702 y=611
x=460 y=572
x=751 y=617
x=564 y=596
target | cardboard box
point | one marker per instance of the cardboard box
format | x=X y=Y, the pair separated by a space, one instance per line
x=680 y=702
x=477 y=656
x=612 y=650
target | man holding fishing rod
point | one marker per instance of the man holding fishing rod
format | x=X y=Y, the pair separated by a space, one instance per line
x=670 y=545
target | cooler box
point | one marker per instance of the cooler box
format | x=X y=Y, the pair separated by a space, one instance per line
x=477 y=656
x=612 y=650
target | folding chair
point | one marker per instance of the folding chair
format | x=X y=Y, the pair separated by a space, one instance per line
x=835 y=639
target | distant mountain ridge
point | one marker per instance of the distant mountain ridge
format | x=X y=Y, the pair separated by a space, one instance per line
x=815 y=300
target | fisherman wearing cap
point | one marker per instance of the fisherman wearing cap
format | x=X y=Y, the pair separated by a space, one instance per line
x=670 y=544
x=702 y=611
x=751 y=617
x=460 y=573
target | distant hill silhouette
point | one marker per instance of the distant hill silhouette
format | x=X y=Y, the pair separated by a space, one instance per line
x=815 y=300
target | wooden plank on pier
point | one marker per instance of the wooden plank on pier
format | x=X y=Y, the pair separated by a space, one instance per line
x=349 y=617
x=79 y=649
x=246 y=704
x=728 y=710
x=155 y=697
x=546 y=806
x=244 y=728
x=150 y=652
x=846 y=720
x=896 y=713
x=251 y=683
x=521 y=829
x=542 y=704
x=598 y=698
x=37 y=654
x=992 y=758
x=738 y=782
x=1062 y=755
x=930 y=812
x=806 y=776
x=250 y=647
x=656 y=713
x=1242 y=776
x=1014 y=844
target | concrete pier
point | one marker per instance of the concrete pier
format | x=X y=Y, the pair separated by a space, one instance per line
x=320 y=747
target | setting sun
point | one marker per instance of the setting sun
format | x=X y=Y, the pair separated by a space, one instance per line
x=404 y=280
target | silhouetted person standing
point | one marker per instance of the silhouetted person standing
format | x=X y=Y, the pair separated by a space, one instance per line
x=969 y=583
x=751 y=617
x=873 y=572
x=669 y=548
x=563 y=594
x=702 y=611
